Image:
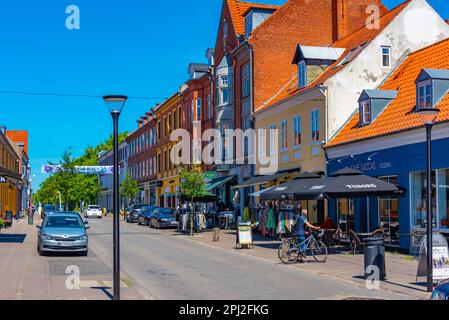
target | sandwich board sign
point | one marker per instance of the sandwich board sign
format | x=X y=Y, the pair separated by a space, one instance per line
x=440 y=257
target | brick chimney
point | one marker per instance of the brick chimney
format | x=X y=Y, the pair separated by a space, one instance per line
x=140 y=123
x=340 y=12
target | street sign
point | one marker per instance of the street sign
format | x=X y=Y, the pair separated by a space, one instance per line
x=2 y=179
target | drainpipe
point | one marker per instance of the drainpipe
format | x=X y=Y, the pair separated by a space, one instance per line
x=326 y=125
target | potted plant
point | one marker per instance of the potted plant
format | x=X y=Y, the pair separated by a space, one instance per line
x=2 y=224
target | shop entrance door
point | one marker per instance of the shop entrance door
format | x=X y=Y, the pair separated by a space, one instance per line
x=389 y=215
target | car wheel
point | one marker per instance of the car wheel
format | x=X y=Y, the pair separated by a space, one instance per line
x=139 y=222
x=158 y=225
x=39 y=250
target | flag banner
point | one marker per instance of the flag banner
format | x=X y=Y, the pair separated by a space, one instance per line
x=88 y=170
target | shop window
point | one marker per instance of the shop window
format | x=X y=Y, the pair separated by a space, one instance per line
x=389 y=214
x=419 y=199
x=443 y=198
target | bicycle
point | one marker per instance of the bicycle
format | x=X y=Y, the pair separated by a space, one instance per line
x=290 y=252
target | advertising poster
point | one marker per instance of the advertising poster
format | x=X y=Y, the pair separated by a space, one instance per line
x=440 y=263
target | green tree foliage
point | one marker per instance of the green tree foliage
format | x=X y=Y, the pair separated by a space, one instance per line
x=74 y=187
x=192 y=184
x=129 y=188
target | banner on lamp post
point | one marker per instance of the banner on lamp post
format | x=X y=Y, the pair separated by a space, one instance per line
x=87 y=170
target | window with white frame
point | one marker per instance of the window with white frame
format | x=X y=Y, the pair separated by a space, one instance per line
x=365 y=112
x=386 y=56
x=284 y=142
x=302 y=74
x=297 y=131
x=425 y=95
x=273 y=141
x=315 y=126
x=246 y=80
x=222 y=90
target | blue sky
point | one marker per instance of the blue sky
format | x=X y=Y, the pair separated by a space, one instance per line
x=139 y=48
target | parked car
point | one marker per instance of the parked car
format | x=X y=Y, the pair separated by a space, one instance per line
x=47 y=209
x=441 y=292
x=93 y=211
x=133 y=212
x=63 y=232
x=163 y=218
x=145 y=215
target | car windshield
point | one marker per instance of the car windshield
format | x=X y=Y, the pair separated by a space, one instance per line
x=166 y=212
x=71 y=222
x=49 y=208
x=94 y=207
x=140 y=206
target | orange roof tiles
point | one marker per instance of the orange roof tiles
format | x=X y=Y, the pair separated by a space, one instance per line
x=398 y=116
x=238 y=10
x=19 y=136
x=350 y=43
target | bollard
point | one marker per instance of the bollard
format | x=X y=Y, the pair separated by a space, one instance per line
x=30 y=219
x=216 y=237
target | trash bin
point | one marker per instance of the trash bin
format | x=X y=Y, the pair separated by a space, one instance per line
x=30 y=218
x=374 y=250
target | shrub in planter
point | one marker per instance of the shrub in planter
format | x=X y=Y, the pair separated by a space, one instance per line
x=2 y=224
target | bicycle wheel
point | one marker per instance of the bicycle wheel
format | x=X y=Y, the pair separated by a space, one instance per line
x=288 y=252
x=319 y=251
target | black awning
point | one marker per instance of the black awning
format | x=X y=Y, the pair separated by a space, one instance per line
x=255 y=181
x=346 y=183
x=10 y=175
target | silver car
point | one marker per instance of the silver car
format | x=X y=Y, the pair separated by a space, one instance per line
x=63 y=232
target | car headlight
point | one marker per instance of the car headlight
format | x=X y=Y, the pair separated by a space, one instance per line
x=47 y=237
x=82 y=238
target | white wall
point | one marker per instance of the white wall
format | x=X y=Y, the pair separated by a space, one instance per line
x=416 y=27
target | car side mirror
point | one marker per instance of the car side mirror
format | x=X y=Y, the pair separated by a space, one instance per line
x=38 y=226
x=87 y=226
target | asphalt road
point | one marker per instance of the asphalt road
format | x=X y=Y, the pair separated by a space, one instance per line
x=172 y=267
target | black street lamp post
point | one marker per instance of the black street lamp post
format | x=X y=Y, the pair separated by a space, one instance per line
x=115 y=104
x=428 y=117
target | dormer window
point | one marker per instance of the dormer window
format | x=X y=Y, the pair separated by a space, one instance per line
x=365 y=112
x=302 y=76
x=424 y=92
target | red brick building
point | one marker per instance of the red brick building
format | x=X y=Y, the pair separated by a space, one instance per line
x=142 y=157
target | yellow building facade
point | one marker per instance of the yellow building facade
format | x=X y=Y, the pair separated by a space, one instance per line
x=9 y=172
x=169 y=117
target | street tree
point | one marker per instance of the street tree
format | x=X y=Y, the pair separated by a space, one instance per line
x=129 y=188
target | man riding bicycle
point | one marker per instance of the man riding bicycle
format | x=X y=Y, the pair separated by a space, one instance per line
x=300 y=231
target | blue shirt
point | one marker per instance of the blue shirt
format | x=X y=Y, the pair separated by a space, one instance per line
x=300 y=223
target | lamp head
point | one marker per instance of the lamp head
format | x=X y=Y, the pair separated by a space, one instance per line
x=428 y=115
x=115 y=103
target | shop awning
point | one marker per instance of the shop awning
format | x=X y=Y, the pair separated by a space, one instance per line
x=218 y=182
x=11 y=176
x=346 y=183
x=255 y=181
x=258 y=193
x=287 y=191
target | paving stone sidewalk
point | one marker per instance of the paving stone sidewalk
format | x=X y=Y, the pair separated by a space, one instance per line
x=401 y=269
x=27 y=276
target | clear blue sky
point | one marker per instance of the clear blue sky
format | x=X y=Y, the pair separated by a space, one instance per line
x=134 y=47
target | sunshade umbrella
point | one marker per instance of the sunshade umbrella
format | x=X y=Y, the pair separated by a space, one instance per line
x=347 y=183
x=207 y=197
x=286 y=191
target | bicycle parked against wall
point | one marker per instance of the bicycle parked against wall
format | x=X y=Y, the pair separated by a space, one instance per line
x=290 y=252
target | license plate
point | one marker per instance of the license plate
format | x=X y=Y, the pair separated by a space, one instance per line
x=66 y=244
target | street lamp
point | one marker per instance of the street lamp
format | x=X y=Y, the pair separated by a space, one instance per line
x=115 y=104
x=428 y=118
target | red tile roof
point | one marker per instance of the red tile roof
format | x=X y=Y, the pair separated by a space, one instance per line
x=398 y=116
x=238 y=10
x=350 y=43
x=18 y=136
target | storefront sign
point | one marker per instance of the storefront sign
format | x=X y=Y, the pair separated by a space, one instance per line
x=2 y=179
x=245 y=235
